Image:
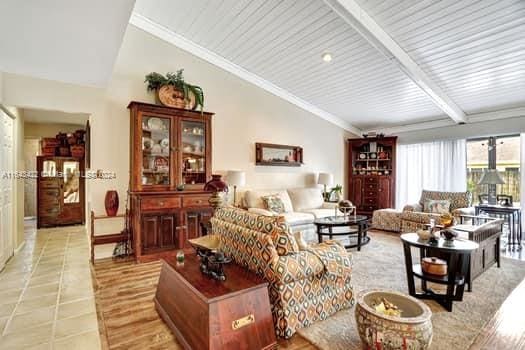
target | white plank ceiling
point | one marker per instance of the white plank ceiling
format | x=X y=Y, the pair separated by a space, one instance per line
x=474 y=50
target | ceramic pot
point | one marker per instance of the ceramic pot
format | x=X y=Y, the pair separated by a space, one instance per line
x=216 y=184
x=111 y=202
x=411 y=330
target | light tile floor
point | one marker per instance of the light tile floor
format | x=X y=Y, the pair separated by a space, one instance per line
x=46 y=294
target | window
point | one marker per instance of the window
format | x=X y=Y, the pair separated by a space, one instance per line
x=504 y=156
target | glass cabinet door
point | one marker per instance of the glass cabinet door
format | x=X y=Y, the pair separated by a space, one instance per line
x=193 y=152
x=71 y=173
x=156 y=155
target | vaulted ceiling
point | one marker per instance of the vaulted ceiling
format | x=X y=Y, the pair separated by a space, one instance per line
x=394 y=62
x=63 y=40
x=468 y=56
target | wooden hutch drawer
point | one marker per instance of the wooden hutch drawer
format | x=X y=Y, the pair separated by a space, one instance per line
x=195 y=201
x=369 y=207
x=48 y=183
x=371 y=179
x=50 y=193
x=369 y=193
x=371 y=187
x=160 y=203
x=370 y=201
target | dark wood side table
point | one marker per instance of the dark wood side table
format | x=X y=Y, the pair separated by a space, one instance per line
x=457 y=253
x=513 y=217
x=325 y=227
x=205 y=313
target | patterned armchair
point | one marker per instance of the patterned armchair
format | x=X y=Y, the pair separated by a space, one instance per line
x=414 y=218
x=305 y=286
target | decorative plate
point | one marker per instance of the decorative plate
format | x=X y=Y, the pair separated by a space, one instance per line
x=373 y=155
x=155 y=124
x=146 y=143
x=165 y=143
x=362 y=155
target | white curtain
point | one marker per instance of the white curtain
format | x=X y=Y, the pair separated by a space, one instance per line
x=437 y=166
x=522 y=180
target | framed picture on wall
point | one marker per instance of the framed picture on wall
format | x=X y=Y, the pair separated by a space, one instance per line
x=269 y=154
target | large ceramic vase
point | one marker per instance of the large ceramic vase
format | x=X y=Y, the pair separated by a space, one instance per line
x=412 y=330
x=217 y=186
x=111 y=202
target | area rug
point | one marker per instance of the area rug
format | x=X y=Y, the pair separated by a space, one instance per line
x=380 y=264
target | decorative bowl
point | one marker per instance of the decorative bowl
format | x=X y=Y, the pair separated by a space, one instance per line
x=411 y=330
x=449 y=234
x=424 y=235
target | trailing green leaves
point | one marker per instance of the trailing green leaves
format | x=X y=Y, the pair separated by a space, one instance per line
x=156 y=81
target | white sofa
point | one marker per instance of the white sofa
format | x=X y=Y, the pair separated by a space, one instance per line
x=301 y=205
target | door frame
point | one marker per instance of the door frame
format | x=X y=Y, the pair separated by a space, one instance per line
x=10 y=238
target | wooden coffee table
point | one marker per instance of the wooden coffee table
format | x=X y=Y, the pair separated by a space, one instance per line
x=457 y=253
x=205 y=313
x=339 y=226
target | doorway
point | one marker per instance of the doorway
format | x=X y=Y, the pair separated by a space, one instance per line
x=31 y=151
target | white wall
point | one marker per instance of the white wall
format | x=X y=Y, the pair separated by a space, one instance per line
x=40 y=130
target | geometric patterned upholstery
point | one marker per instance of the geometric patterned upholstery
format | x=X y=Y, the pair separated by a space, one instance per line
x=387 y=220
x=414 y=218
x=304 y=286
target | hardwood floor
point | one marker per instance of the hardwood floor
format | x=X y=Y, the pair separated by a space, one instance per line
x=128 y=319
x=127 y=316
x=506 y=330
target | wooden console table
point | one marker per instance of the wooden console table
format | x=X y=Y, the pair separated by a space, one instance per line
x=204 y=313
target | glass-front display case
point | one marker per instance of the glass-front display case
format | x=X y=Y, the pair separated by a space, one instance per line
x=156 y=152
x=170 y=148
x=193 y=152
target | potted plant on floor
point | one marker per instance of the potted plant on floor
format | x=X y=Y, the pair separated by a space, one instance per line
x=173 y=91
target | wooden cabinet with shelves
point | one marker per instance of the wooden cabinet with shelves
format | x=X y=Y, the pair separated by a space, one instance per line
x=372 y=173
x=170 y=149
x=60 y=191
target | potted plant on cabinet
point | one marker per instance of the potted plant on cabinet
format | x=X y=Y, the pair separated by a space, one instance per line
x=173 y=91
x=336 y=193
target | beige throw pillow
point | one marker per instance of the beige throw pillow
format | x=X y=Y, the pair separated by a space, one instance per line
x=274 y=204
x=436 y=206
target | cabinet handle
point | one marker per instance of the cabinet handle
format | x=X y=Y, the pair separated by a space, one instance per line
x=161 y=203
x=181 y=227
x=198 y=201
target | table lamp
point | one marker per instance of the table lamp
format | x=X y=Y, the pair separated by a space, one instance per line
x=236 y=178
x=491 y=177
x=325 y=179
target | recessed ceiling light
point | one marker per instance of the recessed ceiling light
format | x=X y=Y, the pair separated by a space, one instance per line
x=327 y=56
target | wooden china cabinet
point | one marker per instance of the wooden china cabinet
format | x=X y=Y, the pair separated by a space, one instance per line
x=170 y=163
x=372 y=173
x=60 y=191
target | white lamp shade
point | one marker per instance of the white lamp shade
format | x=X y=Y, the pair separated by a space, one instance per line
x=491 y=177
x=236 y=178
x=325 y=179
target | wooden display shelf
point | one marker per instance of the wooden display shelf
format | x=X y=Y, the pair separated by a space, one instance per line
x=106 y=238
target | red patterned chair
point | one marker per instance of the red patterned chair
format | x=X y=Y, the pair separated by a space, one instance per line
x=305 y=286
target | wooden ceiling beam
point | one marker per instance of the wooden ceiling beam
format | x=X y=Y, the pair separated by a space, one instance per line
x=353 y=14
